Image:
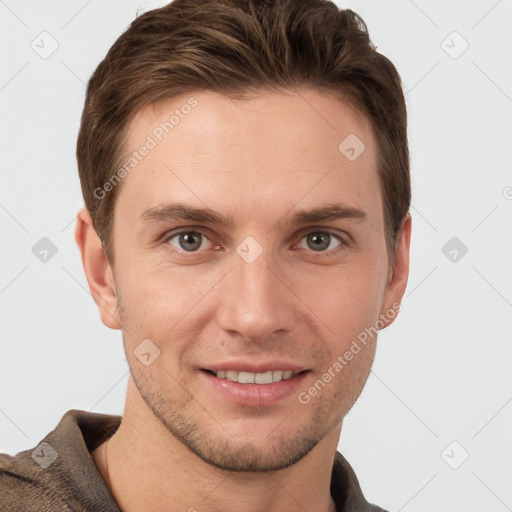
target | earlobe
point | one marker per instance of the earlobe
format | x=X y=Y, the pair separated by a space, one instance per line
x=399 y=274
x=97 y=270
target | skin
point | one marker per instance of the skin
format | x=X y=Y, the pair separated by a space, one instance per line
x=181 y=445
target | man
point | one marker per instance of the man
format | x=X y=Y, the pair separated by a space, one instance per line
x=245 y=173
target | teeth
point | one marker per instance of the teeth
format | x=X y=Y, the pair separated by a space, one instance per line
x=232 y=375
x=263 y=378
x=246 y=377
x=255 y=378
x=277 y=375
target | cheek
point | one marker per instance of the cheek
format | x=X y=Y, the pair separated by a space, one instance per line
x=348 y=301
x=162 y=304
x=153 y=289
x=351 y=312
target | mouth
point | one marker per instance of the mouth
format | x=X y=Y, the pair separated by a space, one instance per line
x=264 y=387
x=244 y=377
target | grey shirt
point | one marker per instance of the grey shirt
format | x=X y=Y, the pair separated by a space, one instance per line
x=60 y=474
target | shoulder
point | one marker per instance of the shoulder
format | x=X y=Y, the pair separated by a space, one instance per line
x=23 y=489
x=345 y=488
x=59 y=473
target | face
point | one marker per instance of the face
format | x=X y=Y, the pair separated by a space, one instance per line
x=250 y=251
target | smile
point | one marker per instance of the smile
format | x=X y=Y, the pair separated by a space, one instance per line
x=257 y=388
x=243 y=377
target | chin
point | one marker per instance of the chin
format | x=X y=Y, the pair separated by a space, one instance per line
x=245 y=456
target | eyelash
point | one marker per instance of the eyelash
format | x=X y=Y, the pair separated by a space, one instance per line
x=343 y=243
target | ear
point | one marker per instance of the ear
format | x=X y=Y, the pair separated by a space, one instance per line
x=97 y=270
x=397 y=281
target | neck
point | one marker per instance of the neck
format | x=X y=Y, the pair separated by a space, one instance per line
x=147 y=469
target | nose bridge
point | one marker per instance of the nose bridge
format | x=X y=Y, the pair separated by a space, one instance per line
x=255 y=302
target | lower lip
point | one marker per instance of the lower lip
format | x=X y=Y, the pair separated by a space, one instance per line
x=254 y=394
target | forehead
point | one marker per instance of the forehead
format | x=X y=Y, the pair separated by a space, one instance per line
x=269 y=152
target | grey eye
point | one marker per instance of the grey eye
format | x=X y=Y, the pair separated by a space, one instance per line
x=189 y=241
x=320 y=240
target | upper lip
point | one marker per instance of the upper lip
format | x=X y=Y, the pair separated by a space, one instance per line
x=259 y=367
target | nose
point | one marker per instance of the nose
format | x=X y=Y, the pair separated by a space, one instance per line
x=256 y=301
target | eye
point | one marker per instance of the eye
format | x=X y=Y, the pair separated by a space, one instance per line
x=321 y=241
x=188 y=241
x=194 y=241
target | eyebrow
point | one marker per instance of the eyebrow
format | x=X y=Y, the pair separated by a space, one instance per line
x=180 y=211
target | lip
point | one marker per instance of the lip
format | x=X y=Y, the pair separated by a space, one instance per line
x=253 y=395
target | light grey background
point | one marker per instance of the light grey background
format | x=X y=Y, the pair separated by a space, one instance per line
x=442 y=371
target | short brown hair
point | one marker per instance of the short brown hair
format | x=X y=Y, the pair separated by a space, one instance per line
x=239 y=47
